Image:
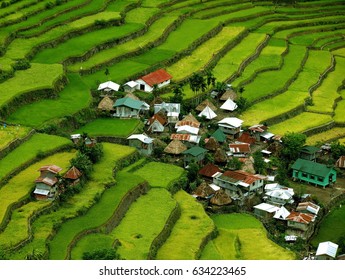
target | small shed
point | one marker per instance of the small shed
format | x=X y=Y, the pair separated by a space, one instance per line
x=219 y=135
x=265 y=210
x=208 y=113
x=209 y=171
x=212 y=144
x=142 y=142
x=229 y=105
x=156 y=123
x=130 y=86
x=326 y=251
x=72 y=176
x=230 y=93
x=108 y=86
x=309 y=152
x=340 y=162
x=195 y=153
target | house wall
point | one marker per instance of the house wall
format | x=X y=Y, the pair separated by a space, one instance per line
x=277 y=200
x=313 y=179
x=144 y=86
x=300 y=226
x=256 y=186
x=125 y=112
x=232 y=131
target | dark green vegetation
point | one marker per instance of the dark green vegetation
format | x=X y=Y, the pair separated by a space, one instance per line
x=288 y=61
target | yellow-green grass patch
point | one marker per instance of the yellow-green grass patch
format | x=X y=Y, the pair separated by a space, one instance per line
x=160 y=174
x=339 y=116
x=141 y=14
x=9 y=133
x=110 y=127
x=136 y=231
x=325 y=95
x=38 y=143
x=22 y=184
x=339 y=52
x=190 y=230
x=342 y=141
x=229 y=64
x=323 y=137
x=18 y=229
x=38 y=77
x=300 y=123
x=203 y=54
x=243 y=237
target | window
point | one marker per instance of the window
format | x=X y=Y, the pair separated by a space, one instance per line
x=304 y=175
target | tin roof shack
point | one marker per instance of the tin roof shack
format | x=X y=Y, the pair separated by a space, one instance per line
x=231 y=126
x=313 y=173
x=159 y=78
x=156 y=123
x=195 y=153
x=72 y=176
x=46 y=183
x=209 y=171
x=265 y=211
x=300 y=224
x=170 y=110
x=326 y=251
x=309 y=153
x=127 y=107
x=142 y=142
x=239 y=149
x=108 y=87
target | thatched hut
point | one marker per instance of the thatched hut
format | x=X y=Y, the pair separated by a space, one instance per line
x=229 y=94
x=106 y=104
x=220 y=198
x=131 y=95
x=175 y=147
x=204 y=190
x=220 y=156
x=212 y=144
x=205 y=103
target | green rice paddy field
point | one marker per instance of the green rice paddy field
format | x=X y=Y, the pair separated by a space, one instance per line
x=289 y=62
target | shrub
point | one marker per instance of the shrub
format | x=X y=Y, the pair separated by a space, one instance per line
x=102 y=254
x=21 y=64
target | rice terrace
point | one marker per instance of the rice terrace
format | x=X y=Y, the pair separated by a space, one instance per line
x=172 y=129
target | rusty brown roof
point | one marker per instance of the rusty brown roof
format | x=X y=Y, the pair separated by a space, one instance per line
x=51 y=168
x=299 y=217
x=209 y=170
x=73 y=173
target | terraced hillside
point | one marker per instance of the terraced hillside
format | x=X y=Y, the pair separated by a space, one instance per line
x=287 y=62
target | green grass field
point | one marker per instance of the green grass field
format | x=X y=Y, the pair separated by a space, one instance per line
x=11 y=133
x=334 y=220
x=242 y=237
x=110 y=127
x=38 y=143
x=73 y=98
x=334 y=133
x=159 y=174
x=38 y=77
x=189 y=231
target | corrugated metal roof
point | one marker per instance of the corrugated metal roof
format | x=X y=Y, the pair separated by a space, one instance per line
x=156 y=77
x=327 y=248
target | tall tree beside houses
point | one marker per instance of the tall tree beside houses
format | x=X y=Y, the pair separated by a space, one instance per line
x=292 y=144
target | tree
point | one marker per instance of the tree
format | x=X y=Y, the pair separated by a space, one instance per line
x=210 y=79
x=242 y=104
x=259 y=163
x=83 y=163
x=220 y=87
x=234 y=163
x=197 y=83
x=178 y=94
x=337 y=150
x=94 y=152
x=292 y=144
x=102 y=254
x=106 y=72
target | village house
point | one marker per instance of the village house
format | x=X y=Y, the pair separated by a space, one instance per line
x=196 y=154
x=106 y=104
x=142 y=142
x=300 y=224
x=308 y=207
x=204 y=104
x=209 y=171
x=128 y=108
x=171 y=110
x=156 y=123
x=175 y=147
x=130 y=86
x=188 y=120
x=207 y=113
x=211 y=144
x=239 y=149
x=256 y=131
x=229 y=184
x=46 y=183
x=159 y=78
x=313 y=173
x=326 y=251
x=203 y=191
x=229 y=105
x=280 y=196
x=231 y=126
x=265 y=211
x=309 y=153
x=245 y=137
x=108 y=87
x=188 y=139
x=72 y=176
x=219 y=135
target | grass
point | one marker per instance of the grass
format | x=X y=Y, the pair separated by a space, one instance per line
x=22 y=184
x=334 y=220
x=73 y=98
x=189 y=231
x=242 y=237
x=135 y=232
x=325 y=95
x=339 y=112
x=300 y=123
x=230 y=63
x=159 y=174
x=100 y=212
x=38 y=77
x=10 y=133
x=323 y=137
x=202 y=55
x=38 y=143
x=110 y=127
x=268 y=82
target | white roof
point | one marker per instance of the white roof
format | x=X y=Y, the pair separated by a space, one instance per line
x=281 y=213
x=266 y=152
x=267 y=135
x=232 y=121
x=290 y=238
x=109 y=85
x=327 y=248
x=208 y=113
x=142 y=137
x=186 y=129
x=168 y=107
x=229 y=105
x=284 y=194
x=41 y=191
x=266 y=207
x=75 y=136
x=273 y=186
x=194 y=139
x=214 y=187
x=131 y=84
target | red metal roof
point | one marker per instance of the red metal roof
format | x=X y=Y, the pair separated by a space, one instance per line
x=157 y=117
x=73 y=173
x=156 y=77
x=246 y=138
x=241 y=176
x=240 y=148
x=51 y=168
x=181 y=137
x=298 y=217
x=209 y=170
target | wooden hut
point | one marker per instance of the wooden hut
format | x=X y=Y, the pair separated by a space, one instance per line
x=220 y=198
x=106 y=104
x=228 y=94
x=205 y=103
x=212 y=144
x=175 y=147
x=204 y=191
x=72 y=176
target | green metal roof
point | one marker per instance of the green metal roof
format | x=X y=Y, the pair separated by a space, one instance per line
x=195 y=151
x=219 y=135
x=309 y=149
x=311 y=167
x=128 y=102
